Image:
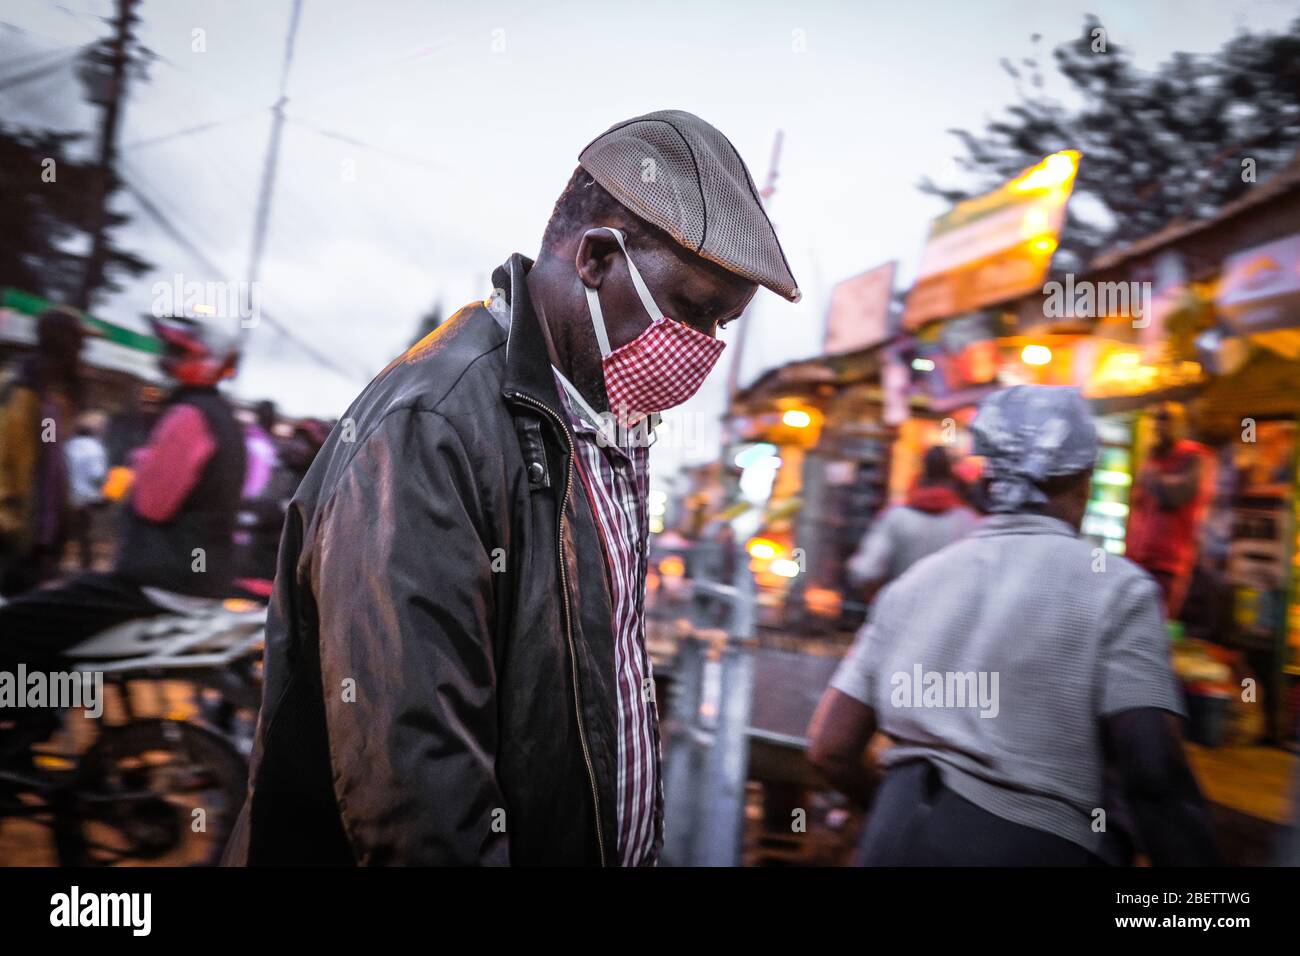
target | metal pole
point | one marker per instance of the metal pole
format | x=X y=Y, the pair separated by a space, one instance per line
x=766 y=193
x=262 y=216
x=93 y=275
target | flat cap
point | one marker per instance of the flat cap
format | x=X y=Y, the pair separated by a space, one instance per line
x=681 y=174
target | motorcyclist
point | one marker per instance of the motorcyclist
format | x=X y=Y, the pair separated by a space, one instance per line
x=177 y=533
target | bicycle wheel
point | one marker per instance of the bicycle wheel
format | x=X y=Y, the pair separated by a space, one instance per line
x=157 y=791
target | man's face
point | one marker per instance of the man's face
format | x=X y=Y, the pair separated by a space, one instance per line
x=686 y=287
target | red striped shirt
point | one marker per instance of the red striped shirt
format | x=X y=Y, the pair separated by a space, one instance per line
x=616 y=482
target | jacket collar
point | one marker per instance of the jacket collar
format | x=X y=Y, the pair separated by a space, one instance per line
x=528 y=363
x=1023 y=523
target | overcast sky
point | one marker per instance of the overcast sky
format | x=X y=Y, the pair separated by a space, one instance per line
x=453 y=126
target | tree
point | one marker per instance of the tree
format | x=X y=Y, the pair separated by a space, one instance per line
x=51 y=203
x=44 y=209
x=1158 y=147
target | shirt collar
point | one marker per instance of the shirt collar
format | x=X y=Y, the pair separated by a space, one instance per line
x=1024 y=523
x=585 y=418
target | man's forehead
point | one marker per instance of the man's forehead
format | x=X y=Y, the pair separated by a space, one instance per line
x=704 y=278
x=713 y=295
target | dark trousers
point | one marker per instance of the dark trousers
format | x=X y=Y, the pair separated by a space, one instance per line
x=40 y=625
x=916 y=821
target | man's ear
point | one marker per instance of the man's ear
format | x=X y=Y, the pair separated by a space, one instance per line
x=595 y=257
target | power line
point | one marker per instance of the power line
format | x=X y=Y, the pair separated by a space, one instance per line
x=373 y=71
x=266 y=191
x=189 y=131
x=24 y=60
x=185 y=242
x=39 y=72
x=361 y=144
x=77 y=17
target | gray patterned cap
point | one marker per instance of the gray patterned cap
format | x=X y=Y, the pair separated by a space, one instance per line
x=681 y=174
x=1027 y=434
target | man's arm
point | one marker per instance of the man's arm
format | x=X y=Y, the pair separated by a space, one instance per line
x=404 y=589
x=168 y=468
x=869 y=565
x=1140 y=707
x=838 y=735
x=1146 y=747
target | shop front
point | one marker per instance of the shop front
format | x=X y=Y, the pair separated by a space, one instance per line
x=811 y=460
x=1221 y=336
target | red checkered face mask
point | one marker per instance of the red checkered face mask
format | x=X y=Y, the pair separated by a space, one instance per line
x=660 y=368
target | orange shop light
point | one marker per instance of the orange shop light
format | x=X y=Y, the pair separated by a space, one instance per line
x=1036 y=355
x=796 y=418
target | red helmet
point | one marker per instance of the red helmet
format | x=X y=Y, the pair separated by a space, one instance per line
x=194 y=353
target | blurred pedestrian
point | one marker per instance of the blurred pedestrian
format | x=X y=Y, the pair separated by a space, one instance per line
x=472 y=541
x=259 y=449
x=87 y=469
x=933 y=516
x=179 y=522
x=1170 y=497
x=37 y=406
x=1009 y=670
x=261 y=518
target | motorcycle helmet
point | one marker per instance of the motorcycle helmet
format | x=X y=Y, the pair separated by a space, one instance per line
x=195 y=353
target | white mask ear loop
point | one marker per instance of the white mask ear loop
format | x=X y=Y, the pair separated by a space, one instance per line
x=597 y=321
x=643 y=293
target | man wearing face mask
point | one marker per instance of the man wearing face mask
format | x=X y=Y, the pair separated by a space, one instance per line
x=455 y=660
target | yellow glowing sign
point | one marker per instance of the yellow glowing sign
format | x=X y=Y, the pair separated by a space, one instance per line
x=1053 y=172
x=995 y=246
x=1123 y=372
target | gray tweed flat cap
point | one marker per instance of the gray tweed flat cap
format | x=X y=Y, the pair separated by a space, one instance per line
x=678 y=172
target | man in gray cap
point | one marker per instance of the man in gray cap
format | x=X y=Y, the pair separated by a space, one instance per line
x=455 y=662
x=1012 y=669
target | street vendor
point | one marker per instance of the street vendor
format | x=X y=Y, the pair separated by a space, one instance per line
x=1169 y=502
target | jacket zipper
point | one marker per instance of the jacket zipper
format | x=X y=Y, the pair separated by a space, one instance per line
x=568 y=622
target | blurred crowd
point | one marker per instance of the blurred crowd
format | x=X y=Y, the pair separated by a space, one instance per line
x=73 y=477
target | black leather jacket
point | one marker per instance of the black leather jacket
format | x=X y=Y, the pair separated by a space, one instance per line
x=440 y=681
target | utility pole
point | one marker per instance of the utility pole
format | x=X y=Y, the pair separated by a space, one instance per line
x=118 y=57
x=262 y=216
x=766 y=193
